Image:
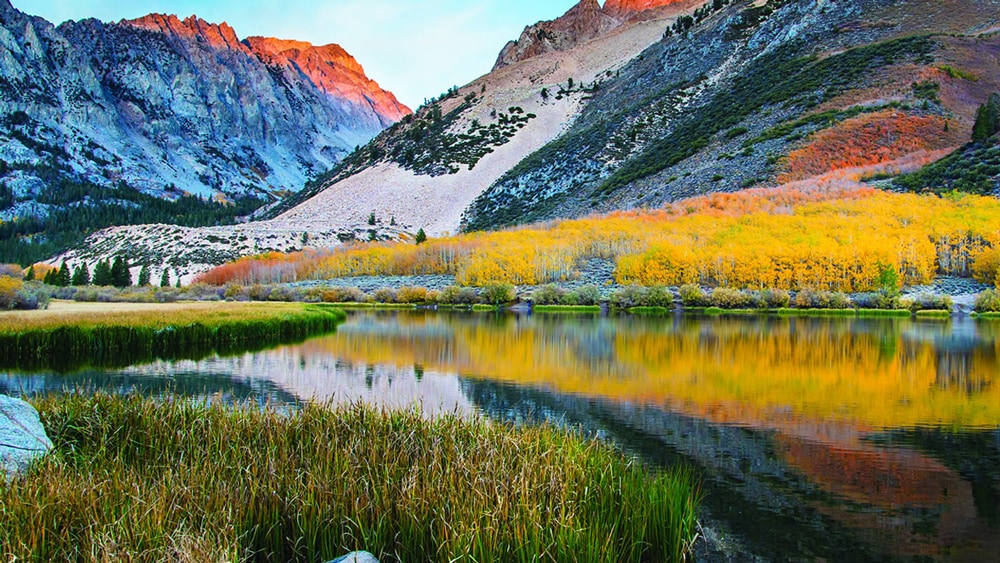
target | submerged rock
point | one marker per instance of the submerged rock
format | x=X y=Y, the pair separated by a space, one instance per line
x=356 y=557
x=22 y=437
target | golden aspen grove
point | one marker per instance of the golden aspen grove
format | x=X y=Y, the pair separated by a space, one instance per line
x=837 y=236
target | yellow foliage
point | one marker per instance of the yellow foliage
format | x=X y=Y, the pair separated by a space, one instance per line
x=804 y=370
x=783 y=238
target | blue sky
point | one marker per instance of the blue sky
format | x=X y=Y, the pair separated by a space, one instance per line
x=415 y=48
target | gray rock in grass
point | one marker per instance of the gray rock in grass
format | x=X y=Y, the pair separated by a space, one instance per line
x=22 y=437
x=356 y=557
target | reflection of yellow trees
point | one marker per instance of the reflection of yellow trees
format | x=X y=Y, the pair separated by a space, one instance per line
x=783 y=238
x=760 y=371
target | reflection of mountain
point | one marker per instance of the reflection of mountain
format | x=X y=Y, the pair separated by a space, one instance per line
x=790 y=498
x=282 y=376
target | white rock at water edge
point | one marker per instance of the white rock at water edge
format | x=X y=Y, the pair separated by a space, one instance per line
x=22 y=437
x=356 y=557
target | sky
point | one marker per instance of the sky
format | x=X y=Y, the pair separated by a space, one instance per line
x=415 y=48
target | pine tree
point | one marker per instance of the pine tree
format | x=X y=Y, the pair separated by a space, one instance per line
x=165 y=278
x=64 y=276
x=30 y=276
x=421 y=236
x=81 y=276
x=102 y=274
x=987 y=119
x=49 y=278
x=178 y=274
x=120 y=275
x=144 y=276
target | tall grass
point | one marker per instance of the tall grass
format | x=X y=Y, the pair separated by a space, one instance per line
x=145 y=481
x=115 y=338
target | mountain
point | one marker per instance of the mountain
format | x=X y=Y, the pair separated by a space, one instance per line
x=670 y=103
x=169 y=107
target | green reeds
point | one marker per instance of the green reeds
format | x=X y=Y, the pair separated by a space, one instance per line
x=933 y=314
x=484 y=308
x=885 y=313
x=589 y=309
x=786 y=312
x=145 y=481
x=70 y=341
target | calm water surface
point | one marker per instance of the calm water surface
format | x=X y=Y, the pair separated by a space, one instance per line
x=815 y=438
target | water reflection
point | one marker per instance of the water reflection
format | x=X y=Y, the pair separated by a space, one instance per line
x=818 y=438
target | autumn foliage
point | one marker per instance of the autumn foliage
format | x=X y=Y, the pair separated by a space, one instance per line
x=868 y=139
x=839 y=239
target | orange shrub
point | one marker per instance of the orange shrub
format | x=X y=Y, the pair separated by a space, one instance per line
x=867 y=139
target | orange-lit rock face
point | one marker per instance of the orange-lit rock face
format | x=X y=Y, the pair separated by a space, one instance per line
x=332 y=70
x=620 y=7
x=220 y=36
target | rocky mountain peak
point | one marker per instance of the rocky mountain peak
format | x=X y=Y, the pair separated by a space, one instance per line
x=625 y=8
x=220 y=36
x=332 y=70
x=581 y=23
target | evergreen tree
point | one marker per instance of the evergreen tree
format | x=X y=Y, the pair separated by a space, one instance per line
x=81 y=276
x=421 y=236
x=120 y=275
x=49 y=278
x=64 y=276
x=987 y=119
x=144 y=276
x=102 y=274
x=30 y=276
x=178 y=274
x=165 y=278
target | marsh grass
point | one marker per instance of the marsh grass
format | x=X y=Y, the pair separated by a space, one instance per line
x=589 y=309
x=933 y=315
x=140 y=480
x=69 y=340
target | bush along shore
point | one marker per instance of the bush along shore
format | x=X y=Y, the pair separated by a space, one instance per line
x=65 y=341
x=137 y=479
x=568 y=297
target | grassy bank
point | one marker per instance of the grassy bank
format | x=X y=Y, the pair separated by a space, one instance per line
x=589 y=309
x=133 y=479
x=73 y=335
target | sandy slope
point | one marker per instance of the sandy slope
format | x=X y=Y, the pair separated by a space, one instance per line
x=436 y=204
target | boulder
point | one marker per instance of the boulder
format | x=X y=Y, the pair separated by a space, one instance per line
x=356 y=557
x=22 y=437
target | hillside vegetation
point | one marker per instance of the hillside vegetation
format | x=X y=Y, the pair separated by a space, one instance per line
x=757 y=95
x=831 y=238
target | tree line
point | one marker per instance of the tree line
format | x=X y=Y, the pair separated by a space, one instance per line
x=117 y=273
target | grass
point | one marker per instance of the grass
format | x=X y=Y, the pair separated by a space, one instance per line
x=139 y=480
x=787 y=312
x=566 y=308
x=933 y=314
x=112 y=336
x=876 y=313
x=483 y=308
x=991 y=316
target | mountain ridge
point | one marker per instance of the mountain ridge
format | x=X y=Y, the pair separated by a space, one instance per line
x=167 y=107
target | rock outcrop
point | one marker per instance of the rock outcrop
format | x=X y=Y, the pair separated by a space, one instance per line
x=583 y=22
x=171 y=106
x=22 y=437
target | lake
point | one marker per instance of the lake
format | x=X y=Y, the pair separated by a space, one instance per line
x=841 y=439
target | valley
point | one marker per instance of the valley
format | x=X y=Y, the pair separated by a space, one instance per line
x=744 y=252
